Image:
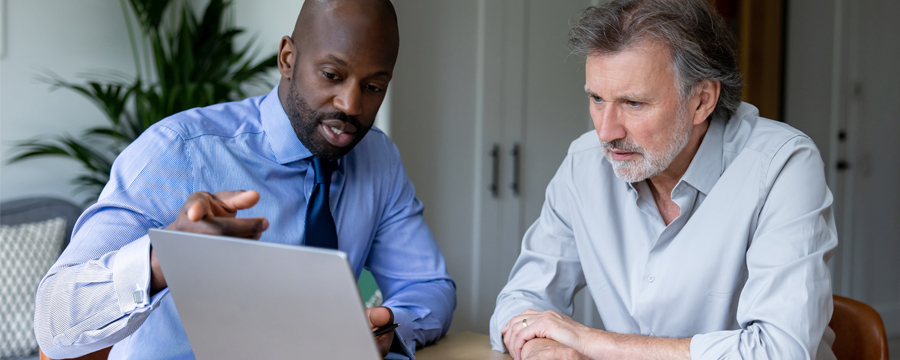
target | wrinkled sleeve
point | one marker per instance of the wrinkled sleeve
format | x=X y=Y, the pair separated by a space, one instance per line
x=548 y=272
x=408 y=265
x=786 y=302
x=96 y=293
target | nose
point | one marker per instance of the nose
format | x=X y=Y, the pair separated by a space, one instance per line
x=607 y=123
x=349 y=99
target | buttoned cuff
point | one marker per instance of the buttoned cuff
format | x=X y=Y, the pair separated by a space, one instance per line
x=715 y=345
x=399 y=351
x=403 y=335
x=502 y=314
x=131 y=275
x=396 y=356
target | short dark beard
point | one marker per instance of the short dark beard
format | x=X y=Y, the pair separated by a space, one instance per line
x=306 y=122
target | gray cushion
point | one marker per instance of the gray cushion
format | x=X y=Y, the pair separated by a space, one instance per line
x=26 y=253
x=38 y=209
x=33 y=232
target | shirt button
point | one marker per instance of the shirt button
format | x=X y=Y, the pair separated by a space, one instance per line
x=651 y=278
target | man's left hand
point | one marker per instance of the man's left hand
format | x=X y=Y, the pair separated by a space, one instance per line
x=380 y=316
x=532 y=324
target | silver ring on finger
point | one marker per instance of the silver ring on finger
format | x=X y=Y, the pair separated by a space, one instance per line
x=524 y=323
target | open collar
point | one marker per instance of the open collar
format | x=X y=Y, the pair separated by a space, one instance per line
x=282 y=138
x=706 y=167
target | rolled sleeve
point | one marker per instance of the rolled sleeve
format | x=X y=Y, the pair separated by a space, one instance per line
x=116 y=278
x=786 y=303
x=96 y=294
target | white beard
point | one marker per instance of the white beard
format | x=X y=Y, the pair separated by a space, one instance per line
x=650 y=164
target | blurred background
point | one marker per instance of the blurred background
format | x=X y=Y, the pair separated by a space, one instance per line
x=484 y=102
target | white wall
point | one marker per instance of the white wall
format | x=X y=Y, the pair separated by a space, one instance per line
x=267 y=20
x=68 y=38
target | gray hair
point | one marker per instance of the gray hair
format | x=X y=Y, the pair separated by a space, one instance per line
x=702 y=47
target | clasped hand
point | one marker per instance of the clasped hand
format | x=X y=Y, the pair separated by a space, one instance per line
x=536 y=329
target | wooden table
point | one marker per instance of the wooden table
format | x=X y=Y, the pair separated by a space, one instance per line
x=461 y=346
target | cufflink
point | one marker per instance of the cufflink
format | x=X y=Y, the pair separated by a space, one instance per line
x=138 y=295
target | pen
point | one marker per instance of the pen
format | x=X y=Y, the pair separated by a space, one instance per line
x=385 y=329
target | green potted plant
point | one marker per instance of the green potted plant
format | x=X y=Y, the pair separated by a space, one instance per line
x=188 y=61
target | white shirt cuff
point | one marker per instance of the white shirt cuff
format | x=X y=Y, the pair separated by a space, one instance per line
x=131 y=275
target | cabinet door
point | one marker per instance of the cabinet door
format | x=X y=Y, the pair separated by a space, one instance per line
x=555 y=111
x=870 y=226
x=472 y=75
x=542 y=108
x=852 y=115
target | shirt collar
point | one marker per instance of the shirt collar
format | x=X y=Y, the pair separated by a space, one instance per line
x=706 y=167
x=282 y=138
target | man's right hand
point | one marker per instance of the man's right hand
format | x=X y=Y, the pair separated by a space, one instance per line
x=212 y=214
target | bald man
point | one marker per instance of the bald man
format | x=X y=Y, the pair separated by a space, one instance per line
x=302 y=165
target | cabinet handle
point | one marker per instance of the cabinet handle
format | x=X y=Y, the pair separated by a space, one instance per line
x=516 y=156
x=842 y=165
x=495 y=171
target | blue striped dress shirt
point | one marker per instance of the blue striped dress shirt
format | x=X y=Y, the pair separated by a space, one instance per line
x=88 y=299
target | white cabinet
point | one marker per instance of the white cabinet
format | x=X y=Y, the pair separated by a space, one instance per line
x=842 y=89
x=485 y=101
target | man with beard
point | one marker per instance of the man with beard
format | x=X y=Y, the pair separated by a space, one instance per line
x=295 y=166
x=702 y=230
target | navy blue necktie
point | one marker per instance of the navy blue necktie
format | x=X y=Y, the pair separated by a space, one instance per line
x=320 y=229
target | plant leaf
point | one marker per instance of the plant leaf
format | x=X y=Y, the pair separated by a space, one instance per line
x=196 y=64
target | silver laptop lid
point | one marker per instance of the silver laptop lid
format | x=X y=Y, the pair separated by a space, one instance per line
x=243 y=299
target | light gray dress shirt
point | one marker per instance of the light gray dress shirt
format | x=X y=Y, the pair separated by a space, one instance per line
x=743 y=270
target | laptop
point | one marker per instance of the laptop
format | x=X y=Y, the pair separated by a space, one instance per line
x=244 y=299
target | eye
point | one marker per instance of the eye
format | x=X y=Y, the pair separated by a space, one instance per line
x=331 y=76
x=633 y=103
x=374 y=88
x=595 y=98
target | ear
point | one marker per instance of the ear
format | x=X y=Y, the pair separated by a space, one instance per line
x=286 y=54
x=707 y=93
